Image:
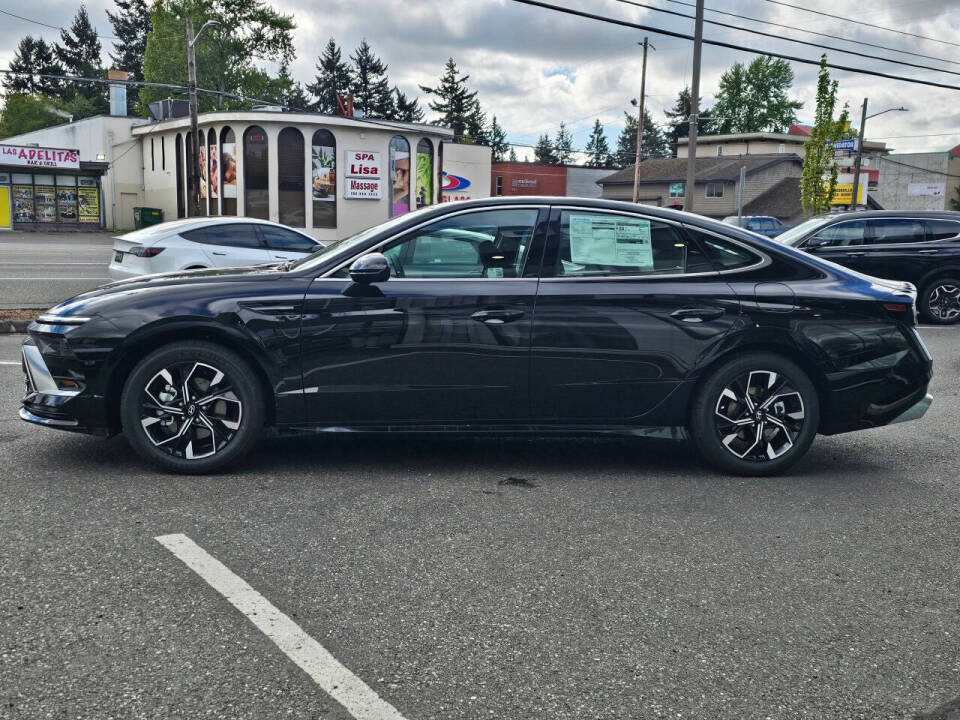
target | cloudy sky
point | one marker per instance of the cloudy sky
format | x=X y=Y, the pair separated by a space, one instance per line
x=534 y=67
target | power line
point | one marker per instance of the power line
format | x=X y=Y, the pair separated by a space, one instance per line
x=52 y=27
x=917 y=167
x=860 y=22
x=731 y=46
x=815 y=32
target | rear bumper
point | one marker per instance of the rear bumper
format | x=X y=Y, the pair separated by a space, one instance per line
x=120 y=271
x=915 y=411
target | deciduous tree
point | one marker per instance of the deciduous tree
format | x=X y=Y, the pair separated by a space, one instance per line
x=754 y=98
x=818 y=182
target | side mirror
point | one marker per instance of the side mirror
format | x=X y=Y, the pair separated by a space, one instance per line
x=813 y=243
x=370 y=268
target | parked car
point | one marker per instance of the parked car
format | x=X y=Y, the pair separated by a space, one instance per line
x=920 y=247
x=205 y=242
x=504 y=315
x=763 y=224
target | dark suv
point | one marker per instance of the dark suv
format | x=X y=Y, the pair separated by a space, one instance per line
x=920 y=247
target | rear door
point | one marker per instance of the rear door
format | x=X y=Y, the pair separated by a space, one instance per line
x=229 y=244
x=892 y=249
x=627 y=308
x=284 y=244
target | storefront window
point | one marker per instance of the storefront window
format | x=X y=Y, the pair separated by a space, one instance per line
x=424 y=173
x=23 y=210
x=191 y=208
x=202 y=170
x=88 y=200
x=67 y=198
x=44 y=199
x=323 y=156
x=213 y=168
x=256 y=199
x=178 y=147
x=399 y=176
x=228 y=171
x=290 y=182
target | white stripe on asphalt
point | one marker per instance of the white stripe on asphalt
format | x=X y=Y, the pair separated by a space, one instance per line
x=31 y=279
x=32 y=264
x=327 y=672
x=6 y=362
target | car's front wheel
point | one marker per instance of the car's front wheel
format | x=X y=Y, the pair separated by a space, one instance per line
x=192 y=407
x=755 y=415
x=940 y=301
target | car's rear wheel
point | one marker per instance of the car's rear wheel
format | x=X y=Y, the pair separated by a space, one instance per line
x=192 y=407
x=755 y=415
x=940 y=301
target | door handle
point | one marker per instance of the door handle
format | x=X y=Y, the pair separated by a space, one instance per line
x=927 y=252
x=695 y=315
x=856 y=254
x=216 y=253
x=497 y=317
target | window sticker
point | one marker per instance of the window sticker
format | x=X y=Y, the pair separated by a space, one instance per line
x=610 y=240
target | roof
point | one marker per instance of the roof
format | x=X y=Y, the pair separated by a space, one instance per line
x=522 y=164
x=268 y=116
x=800 y=129
x=782 y=200
x=656 y=171
x=791 y=137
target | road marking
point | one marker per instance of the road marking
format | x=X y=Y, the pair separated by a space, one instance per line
x=309 y=655
x=4 y=262
x=6 y=362
x=31 y=279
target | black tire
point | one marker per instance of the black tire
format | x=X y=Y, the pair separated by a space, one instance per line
x=725 y=428
x=939 y=301
x=192 y=393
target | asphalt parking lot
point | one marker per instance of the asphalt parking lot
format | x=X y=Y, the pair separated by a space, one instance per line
x=462 y=578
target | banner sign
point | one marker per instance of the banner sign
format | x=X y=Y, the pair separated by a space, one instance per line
x=39 y=157
x=926 y=189
x=362 y=164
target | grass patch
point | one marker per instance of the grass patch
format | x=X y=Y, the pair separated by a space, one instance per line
x=18 y=314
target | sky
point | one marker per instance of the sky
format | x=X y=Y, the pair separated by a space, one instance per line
x=534 y=67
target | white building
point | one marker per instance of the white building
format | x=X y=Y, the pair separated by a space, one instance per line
x=919 y=181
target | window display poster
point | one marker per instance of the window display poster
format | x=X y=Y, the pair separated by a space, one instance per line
x=610 y=240
x=23 y=203
x=214 y=173
x=228 y=158
x=203 y=173
x=324 y=160
x=67 y=204
x=400 y=180
x=424 y=179
x=45 y=203
x=89 y=202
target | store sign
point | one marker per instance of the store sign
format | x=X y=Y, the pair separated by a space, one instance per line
x=926 y=189
x=362 y=164
x=362 y=189
x=523 y=184
x=39 y=157
x=848 y=144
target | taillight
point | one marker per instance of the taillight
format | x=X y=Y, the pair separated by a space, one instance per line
x=145 y=252
x=902 y=312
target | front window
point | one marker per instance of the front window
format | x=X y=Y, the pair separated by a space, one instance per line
x=487 y=244
x=842 y=234
x=941 y=229
x=256 y=199
x=794 y=235
x=291 y=198
x=714 y=190
x=399 y=176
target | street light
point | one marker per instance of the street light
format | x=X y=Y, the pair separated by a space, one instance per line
x=192 y=90
x=856 y=169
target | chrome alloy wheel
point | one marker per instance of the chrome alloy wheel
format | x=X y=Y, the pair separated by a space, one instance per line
x=944 y=301
x=189 y=410
x=759 y=415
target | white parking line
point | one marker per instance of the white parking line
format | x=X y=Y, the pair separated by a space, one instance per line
x=10 y=362
x=32 y=279
x=327 y=672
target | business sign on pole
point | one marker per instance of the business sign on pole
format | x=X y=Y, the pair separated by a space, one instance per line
x=39 y=157
x=845 y=144
x=926 y=189
x=362 y=175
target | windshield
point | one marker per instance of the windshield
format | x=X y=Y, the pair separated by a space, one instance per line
x=347 y=244
x=796 y=234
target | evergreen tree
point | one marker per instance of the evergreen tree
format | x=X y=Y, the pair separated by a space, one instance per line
x=818 y=182
x=79 y=53
x=131 y=25
x=498 y=141
x=679 y=117
x=754 y=98
x=477 y=126
x=563 y=145
x=36 y=57
x=544 y=152
x=513 y=154
x=454 y=103
x=654 y=143
x=292 y=94
x=405 y=109
x=368 y=83
x=333 y=79
x=598 y=149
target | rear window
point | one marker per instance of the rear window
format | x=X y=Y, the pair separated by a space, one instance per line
x=243 y=235
x=941 y=229
x=723 y=254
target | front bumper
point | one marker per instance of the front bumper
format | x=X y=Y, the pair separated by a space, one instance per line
x=915 y=411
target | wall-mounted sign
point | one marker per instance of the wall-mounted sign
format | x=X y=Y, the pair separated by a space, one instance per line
x=523 y=184
x=362 y=188
x=362 y=164
x=39 y=157
x=846 y=144
x=928 y=189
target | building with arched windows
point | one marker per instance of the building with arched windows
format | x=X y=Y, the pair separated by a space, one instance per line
x=331 y=176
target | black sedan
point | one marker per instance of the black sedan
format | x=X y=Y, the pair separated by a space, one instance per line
x=921 y=247
x=520 y=315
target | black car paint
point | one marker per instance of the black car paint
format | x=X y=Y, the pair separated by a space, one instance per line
x=567 y=355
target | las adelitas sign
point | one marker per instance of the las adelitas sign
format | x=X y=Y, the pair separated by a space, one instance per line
x=39 y=157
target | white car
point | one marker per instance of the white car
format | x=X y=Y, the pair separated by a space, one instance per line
x=206 y=242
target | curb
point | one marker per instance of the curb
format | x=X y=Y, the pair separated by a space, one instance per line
x=14 y=327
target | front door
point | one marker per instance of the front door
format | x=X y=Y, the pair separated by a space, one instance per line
x=445 y=340
x=842 y=243
x=628 y=305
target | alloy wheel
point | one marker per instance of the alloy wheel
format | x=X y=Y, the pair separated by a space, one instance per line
x=759 y=415
x=190 y=410
x=944 y=301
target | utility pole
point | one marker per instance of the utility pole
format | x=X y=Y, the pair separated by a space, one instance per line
x=643 y=90
x=743 y=181
x=694 y=111
x=856 y=165
x=194 y=132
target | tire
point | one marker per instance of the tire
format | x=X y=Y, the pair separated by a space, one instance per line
x=192 y=407
x=939 y=301
x=725 y=427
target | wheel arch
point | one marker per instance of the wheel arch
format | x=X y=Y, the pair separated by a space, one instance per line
x=952 y=270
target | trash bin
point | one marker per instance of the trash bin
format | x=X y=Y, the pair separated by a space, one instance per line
x=144 y=216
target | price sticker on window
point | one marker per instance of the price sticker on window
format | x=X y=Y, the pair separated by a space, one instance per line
x=611 y=240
